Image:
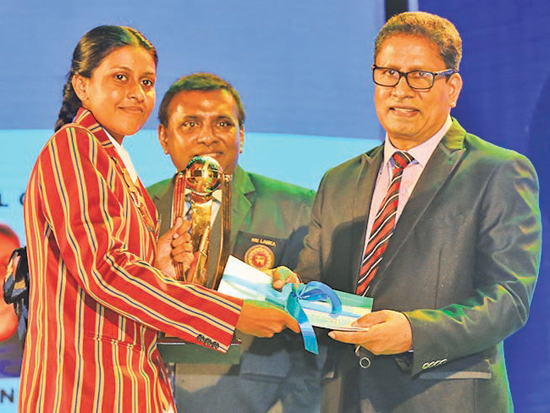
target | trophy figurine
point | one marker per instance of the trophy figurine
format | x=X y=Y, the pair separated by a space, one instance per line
x=194 y=190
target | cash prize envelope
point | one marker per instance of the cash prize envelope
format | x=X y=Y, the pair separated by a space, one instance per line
x=312 y=304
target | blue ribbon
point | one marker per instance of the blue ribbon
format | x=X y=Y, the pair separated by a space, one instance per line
x=313 y=291
x=293 y=299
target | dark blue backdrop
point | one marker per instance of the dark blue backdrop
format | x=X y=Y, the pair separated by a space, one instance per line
x=506 y=100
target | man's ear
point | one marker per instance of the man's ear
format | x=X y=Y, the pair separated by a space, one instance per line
x=162 y=137
x=80 y=86
x=455 y=83
x=241 y=137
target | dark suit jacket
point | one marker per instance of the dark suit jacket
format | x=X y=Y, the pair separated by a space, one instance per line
x=266 y=213
x=461 y=264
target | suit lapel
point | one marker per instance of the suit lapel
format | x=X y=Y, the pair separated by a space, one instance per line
x=244 y=194
x=364 y=187
x=443 y=161
x=163 y=199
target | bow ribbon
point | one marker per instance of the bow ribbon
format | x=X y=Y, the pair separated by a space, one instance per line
x=313 y=291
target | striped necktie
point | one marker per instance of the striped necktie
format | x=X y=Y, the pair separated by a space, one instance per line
x=382 y=227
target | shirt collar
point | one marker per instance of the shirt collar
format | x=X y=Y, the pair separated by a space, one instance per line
x=124 y=155
x=217 y=195
x=422 y=152
x=115 y=143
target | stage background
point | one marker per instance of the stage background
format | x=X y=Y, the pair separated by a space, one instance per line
x=302 y=69
x=506 y=100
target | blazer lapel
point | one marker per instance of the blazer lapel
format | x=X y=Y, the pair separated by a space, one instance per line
x=244 y=194
x=443 y=161
x=86 y=119
x=362 y=197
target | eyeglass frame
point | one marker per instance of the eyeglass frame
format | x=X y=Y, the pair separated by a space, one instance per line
x=444 y=72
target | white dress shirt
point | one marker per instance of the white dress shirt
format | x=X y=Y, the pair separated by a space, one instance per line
x=411 y=173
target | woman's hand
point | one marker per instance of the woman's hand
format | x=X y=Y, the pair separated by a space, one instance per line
x=262 y=319
x=175 y=247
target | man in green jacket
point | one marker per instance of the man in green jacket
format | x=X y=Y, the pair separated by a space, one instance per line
x=202 y=114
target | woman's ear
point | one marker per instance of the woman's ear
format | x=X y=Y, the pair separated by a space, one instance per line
x=80 y=86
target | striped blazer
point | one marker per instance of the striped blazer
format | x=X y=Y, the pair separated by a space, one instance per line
x=96 y=301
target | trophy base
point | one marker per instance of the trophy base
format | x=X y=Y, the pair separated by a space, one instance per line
x=176 y=350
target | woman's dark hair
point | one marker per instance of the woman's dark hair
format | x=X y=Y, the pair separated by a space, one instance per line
x=90 y=51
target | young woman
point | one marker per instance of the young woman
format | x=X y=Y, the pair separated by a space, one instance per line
x=100 y=281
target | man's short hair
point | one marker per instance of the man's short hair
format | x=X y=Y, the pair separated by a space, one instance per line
x=202 y=82
x=435 y=28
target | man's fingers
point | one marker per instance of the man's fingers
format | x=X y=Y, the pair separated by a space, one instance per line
x=351 y=337
x=368 y=320
x=278 y=284
x=282 y=276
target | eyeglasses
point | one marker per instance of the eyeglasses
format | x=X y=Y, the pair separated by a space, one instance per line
x=416 y=79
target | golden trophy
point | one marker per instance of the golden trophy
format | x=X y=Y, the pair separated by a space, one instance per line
x=194 y=200
x=194 y=190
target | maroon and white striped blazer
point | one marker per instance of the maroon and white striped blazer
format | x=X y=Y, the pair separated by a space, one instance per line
x=96 y=301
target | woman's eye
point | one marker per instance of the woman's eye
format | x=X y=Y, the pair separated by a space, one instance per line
x=120 y=77
x=148 y=83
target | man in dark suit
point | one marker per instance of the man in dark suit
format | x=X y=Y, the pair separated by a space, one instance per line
x=445 y=236
x=202 y=114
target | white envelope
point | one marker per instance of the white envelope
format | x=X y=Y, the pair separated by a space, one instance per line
x=243 y=281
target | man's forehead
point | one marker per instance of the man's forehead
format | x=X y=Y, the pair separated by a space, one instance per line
x=198 y=101
x=413 y=50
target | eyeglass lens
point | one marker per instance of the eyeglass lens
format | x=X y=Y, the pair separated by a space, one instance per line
x=417 y=79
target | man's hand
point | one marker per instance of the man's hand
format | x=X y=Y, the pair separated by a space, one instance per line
x=175 y=247
x=389 y=332
x=282 y=276
x=262 y=319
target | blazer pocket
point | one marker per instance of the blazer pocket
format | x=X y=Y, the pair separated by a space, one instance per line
x=460 y=369
x=115 y=342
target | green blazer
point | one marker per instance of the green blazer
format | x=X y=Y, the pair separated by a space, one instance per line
x=461 y=264
x=269 y=220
